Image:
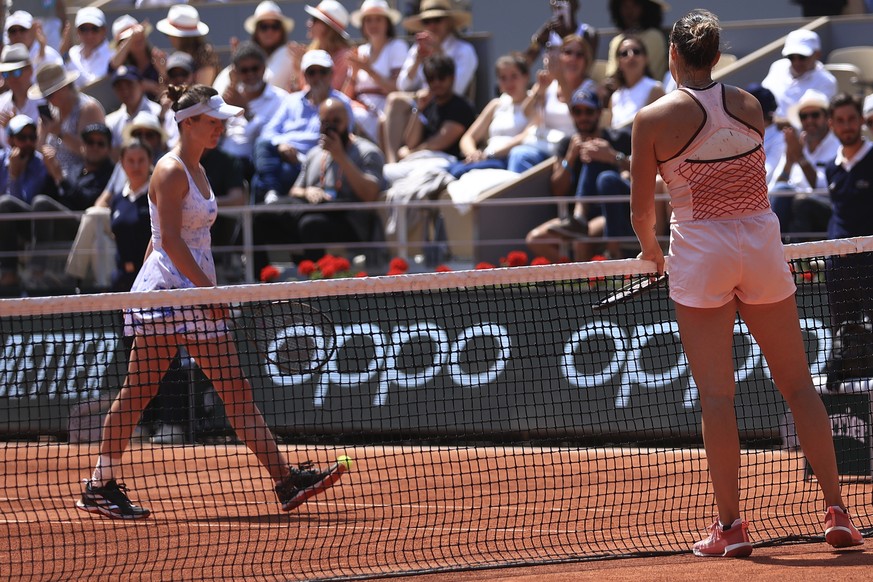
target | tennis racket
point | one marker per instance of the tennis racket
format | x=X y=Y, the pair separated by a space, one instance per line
x=631 y=290
x=293 y=336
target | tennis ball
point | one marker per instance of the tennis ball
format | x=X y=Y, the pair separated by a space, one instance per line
x=345 y=461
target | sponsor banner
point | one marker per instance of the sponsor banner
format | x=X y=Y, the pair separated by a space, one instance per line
x=463 y=363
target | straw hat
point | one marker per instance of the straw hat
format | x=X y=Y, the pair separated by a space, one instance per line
x=49 y=78
x=14 y=57
x=143 y=120
x=375 y=8
x=268 y=10
x=333 y=14
x=122 y=28
x=437 y=9
x=182 y=21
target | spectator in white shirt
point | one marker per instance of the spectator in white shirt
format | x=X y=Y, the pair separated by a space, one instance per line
x=16 y=70
x=802 y=167
x=774 y=139
x=92 y=55
x=247 y=88
x=789 y=78
x=20 y=27
x=127 y=84
x=436 y=29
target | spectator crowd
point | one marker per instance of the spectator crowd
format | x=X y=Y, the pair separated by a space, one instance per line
x=332 y=120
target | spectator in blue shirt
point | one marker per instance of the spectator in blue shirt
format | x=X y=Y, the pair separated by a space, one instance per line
x=22 y=180
x=294 y=130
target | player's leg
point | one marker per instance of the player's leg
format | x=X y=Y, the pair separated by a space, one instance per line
x=149 y=358
x=707 y=337
x=219 y=360
x=776 y=328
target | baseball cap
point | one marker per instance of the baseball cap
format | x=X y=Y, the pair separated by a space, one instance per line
x=19 y=18
x=126 y=73
x=97 y=128
x=19 y=122
x=317 y=58
x=584 y=96
x=180 y=60
x=764 y=96
x=90 y=15
x=801 y=42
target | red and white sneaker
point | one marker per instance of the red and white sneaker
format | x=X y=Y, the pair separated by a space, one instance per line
x=725 y=543
x=839 y=531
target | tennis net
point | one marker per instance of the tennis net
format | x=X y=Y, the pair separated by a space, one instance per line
x=493 y=418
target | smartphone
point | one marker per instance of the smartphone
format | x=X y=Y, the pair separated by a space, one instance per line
x=45 y=110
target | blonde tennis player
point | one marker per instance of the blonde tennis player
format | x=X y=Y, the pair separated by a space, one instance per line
x=183 y=207
x=726 y=256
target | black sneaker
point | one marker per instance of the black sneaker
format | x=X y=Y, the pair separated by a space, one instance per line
x=570 y=227
x=111 y=501
x=306 y=481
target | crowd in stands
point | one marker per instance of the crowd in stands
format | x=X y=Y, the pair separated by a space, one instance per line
x=336 y=120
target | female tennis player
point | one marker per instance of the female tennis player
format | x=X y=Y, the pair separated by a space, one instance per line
x=183 y=207
x=726 y=256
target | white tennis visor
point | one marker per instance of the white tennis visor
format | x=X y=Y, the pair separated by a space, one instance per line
x=215 y=107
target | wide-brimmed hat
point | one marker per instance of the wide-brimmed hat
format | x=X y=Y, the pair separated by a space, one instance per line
x=143 y=120
x=437 y=9
x=810 y=98
x=375 y=8
x=14 y=57
x=49 y=78
x=268 y=10
x=182 y=21
x=333 y=14
x=122 y=28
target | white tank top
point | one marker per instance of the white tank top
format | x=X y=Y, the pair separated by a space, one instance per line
x=720 y=172
x=198 y=214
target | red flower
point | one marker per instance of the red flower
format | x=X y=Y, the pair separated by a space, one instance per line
x=598 y=258
x=807 y=276
x=484 y=265
x=306 y=268
x=269 y=274
x=516 y=259
x=443 y=269
x=325 y=260
x=540 y=261
x=342 y=264
x=564 y=259
x=328 y=270
x=361 y=274
x=392 y=272
x=398 y=264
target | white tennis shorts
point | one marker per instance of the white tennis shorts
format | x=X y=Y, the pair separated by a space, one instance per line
x=713 y=261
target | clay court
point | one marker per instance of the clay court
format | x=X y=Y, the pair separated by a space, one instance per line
x=403 y=510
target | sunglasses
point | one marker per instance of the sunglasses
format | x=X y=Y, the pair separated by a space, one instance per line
x=14 y=74
x=810 y=115
x=270 y=26
x=88 y=28
x=793 y=58
x=436 y=78
x=429 y=21
x=26 y=137
x=247 y=70
x=177 y=73
x=587 y=111
x=633 y=52
x=576 y=54
x=316 y=71
x=144 y=134
x=99 y=143
x=15 y=30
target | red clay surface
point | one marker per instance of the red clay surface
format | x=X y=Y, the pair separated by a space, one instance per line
x=409 y=509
